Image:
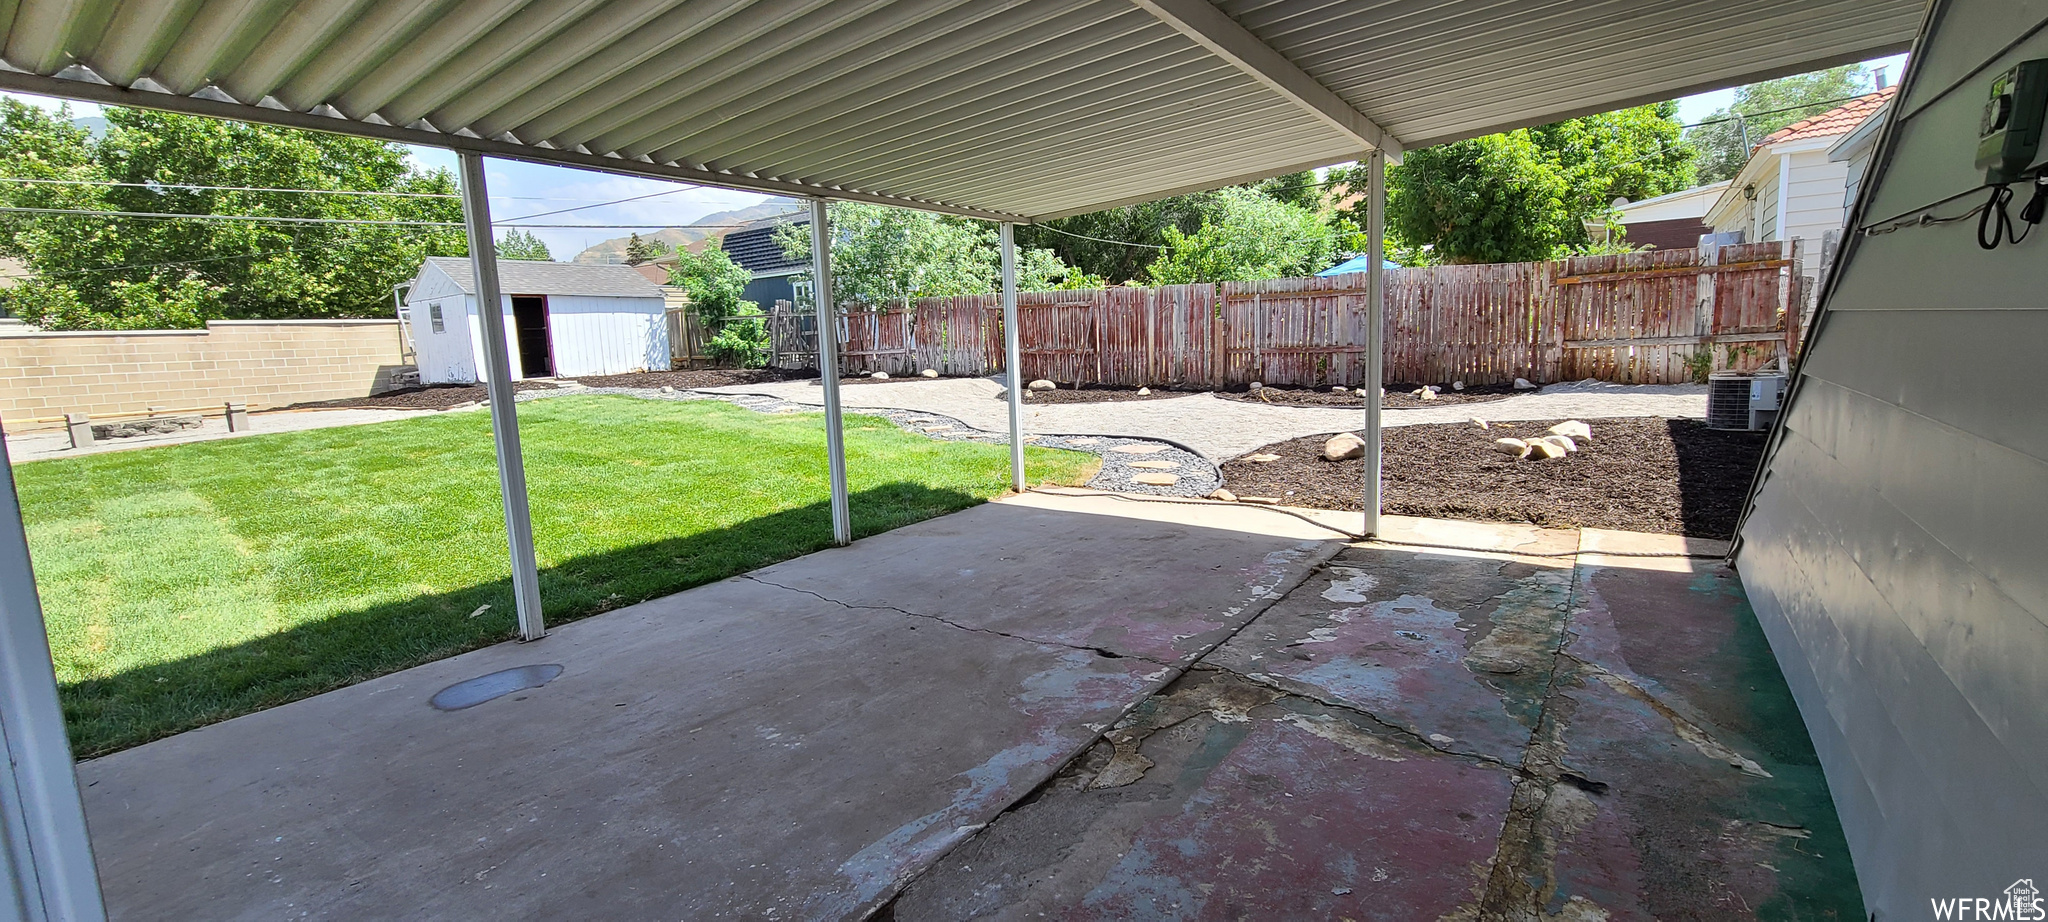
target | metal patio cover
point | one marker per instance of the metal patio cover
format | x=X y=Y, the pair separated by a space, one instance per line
x=1008 y=109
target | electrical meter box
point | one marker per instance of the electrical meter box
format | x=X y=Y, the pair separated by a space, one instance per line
x=2009 y=135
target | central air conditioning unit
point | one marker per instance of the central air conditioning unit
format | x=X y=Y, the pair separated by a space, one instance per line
x=1743 y=401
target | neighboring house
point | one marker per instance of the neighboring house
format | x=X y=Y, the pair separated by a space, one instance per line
x=1672 y=221
x=754 y=248
x=1791 y=189
x=561 y=319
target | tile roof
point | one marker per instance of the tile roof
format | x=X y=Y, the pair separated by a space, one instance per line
x=534 y=277
x=1839 y=120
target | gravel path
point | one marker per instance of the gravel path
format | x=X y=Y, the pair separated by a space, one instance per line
x=1224 y=429
x=1123 y=459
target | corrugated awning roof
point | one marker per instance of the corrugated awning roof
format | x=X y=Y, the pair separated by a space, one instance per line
x=1012 y=109
x=535 y=277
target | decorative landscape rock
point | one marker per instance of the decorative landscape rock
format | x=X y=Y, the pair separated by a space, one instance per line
x=1562 y=442
x=1262 y=458
x=667 y=390
x=1256 y=387
x=928 y=373
x=1043 y=385
x=1223 y=494
x=1343 y=447
x=1339 y=389
x=880 y=376
x=1157 y=480
x=1515 y=447
x=1144 y=392
x=1476 y=421
x=1522 y=384
x=155 y=425
x=1540 y=450
x=1457 y=385
x=1573 y=429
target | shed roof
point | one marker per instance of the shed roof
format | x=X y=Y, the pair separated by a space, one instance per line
x=537 y=277
x=996 y=108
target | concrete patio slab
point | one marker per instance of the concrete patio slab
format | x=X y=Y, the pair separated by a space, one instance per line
x=1662 y=770
x=740 y=749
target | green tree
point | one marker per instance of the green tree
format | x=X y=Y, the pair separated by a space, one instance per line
x=1253 y=236
x=716 y=286
x=1124 y=240
x=1528 y=194
x=641 y=250
x=518 y=244
x=1303 y=189
x=1724 y=138
x=1487 y=199
x=114 y=272
x=883 y=255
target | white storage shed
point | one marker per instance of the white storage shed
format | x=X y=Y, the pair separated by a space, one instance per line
x=561 y=320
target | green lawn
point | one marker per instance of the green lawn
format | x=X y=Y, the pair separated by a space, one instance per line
x=188 y=584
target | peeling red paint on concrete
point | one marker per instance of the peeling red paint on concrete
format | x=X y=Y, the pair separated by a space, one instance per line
x=1294 y=826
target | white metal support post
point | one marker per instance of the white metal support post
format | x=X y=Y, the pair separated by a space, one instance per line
x=1375 y=326
x=828 y=366
x=1013 y=363
x=490 y=311
x=43 y=846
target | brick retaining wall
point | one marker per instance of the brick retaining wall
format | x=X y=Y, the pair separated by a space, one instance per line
x=262 y=363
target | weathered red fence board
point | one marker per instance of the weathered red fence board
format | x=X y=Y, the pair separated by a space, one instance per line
x=1633 y=318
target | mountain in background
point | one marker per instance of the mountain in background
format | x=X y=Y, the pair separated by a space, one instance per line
x=614 y=250
x=93 y=125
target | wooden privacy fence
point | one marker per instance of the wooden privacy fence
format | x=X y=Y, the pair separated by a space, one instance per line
x=1663 y=316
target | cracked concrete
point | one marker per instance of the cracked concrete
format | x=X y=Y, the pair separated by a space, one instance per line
x=1099 y=651
x=1452 y=735
x=1052 y=705
x=794 y=743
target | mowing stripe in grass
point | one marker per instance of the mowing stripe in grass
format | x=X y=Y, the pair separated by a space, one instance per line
x=187 y=584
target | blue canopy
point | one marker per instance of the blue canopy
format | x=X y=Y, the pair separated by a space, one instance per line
x=1356 y=264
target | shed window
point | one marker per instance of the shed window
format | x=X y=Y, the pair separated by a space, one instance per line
x=434 y=316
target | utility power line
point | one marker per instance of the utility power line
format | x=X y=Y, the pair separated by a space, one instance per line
x=166 y=216
x=37 y=180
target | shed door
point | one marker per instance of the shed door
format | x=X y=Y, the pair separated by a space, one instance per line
x=530 y=320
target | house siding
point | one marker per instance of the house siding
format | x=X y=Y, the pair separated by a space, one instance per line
x=1893 y=552
x=1766 y=208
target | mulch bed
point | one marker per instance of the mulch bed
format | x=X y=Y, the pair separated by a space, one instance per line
x=1668 y=476
x=703 y=377
x=430 y=397
x=1399 y=396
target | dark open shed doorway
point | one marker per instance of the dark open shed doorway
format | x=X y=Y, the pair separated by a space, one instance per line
x=530 y=321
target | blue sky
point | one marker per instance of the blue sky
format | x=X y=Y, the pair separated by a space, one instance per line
x=519 y=189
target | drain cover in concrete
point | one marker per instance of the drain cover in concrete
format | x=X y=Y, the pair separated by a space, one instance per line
x=472 y=692
x=1157 y=480
x=1139 y=449
x=1156 y=465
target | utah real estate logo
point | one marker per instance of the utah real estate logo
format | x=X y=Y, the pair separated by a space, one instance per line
x=2021 y=903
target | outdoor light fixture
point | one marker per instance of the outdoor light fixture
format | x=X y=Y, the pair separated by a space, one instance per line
x=1749 y=192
